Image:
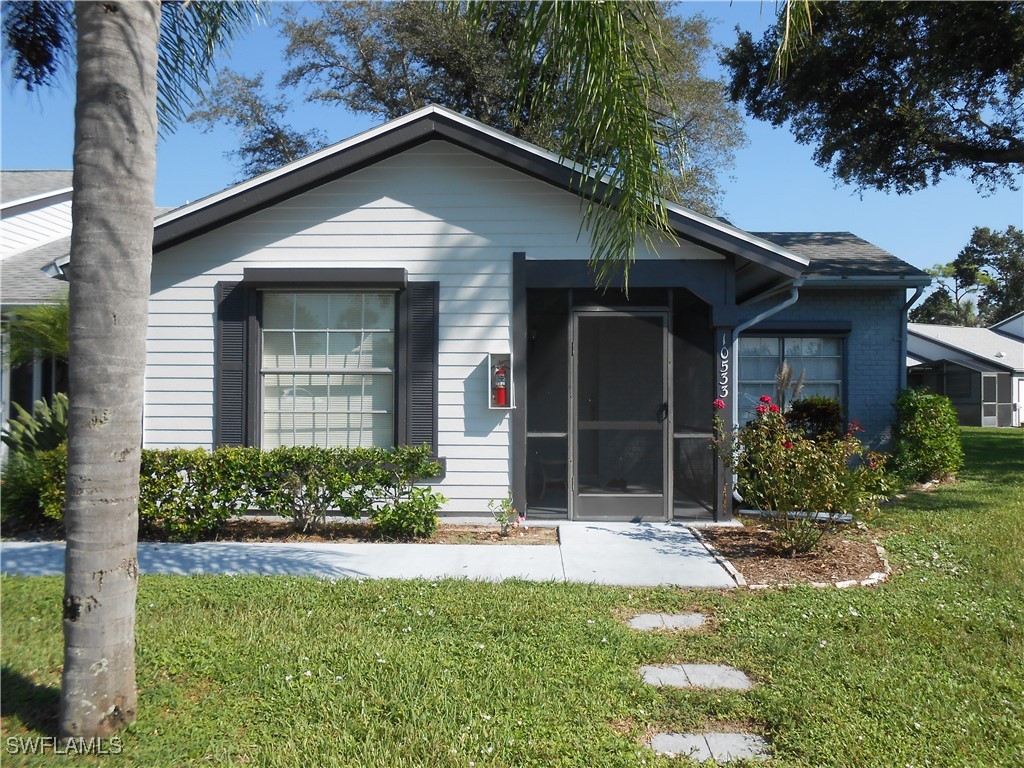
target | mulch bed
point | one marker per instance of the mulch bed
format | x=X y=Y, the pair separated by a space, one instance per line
x=846 y=555
x=250 y=529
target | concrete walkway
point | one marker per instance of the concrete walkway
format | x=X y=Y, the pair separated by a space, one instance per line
x=622 y=554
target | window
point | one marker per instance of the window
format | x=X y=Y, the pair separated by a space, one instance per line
x=818 y=359
x=328 y=369
x=343 y=357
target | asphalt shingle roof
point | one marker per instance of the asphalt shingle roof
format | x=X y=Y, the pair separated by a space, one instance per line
x=17 y=185
x=842 y=254
x=22 y=281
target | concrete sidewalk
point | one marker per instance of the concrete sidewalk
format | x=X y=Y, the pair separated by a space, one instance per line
x=622 y=554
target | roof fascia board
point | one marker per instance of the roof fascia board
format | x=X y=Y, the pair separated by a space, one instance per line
x=873 y=281
x=437 y=123
x=14 y=207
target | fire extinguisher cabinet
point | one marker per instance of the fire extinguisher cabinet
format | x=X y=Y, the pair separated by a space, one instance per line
x=499 y=381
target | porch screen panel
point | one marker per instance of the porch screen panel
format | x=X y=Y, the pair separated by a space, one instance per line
x=328 y=369
x=694 y=369
x=547 y=414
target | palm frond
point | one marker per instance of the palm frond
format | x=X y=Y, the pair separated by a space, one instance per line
x=37 y=332
x=796 y=22
x=39 y=39
x=609 y=55
x=190 y=34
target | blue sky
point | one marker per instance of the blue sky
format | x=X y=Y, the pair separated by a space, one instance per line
x=773 y=186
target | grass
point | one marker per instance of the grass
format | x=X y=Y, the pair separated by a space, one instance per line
x=926 y=670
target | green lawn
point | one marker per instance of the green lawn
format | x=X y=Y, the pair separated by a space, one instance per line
x=927 y=670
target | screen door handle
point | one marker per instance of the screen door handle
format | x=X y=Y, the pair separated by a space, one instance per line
x=662 y=413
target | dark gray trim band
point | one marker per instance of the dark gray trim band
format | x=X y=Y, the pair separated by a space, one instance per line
x=357 y=277
x=519 y=354
x=801 y=327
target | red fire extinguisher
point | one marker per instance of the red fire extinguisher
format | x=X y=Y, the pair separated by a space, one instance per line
x=500 y=385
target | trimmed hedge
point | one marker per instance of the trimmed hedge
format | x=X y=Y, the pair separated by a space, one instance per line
x=187 y=495
x=927 y=445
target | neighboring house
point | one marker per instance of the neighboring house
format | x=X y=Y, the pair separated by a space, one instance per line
x=981 y=370
x=427 y=282
x=35 y=229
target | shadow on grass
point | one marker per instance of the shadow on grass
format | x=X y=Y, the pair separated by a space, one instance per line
x=36 y=706
x=993 y=454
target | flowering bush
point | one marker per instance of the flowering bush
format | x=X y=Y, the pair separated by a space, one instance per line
x=780 y=470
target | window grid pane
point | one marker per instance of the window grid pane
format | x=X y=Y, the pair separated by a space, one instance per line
x=328 y=369
x=819 y=359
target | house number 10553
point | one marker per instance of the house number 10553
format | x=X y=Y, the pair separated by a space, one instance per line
x=723 y=367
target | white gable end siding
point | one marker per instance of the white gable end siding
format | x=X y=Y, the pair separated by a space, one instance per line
x=27 y=230
x=444 y=214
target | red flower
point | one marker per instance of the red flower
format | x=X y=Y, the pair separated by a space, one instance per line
x=765 y=399
x=787 y=444
x=773 y=408
x=762 y=409
x=719 y=404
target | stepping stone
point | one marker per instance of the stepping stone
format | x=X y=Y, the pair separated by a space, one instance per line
x=646 y=622
x=717 y=747
x=696 y=676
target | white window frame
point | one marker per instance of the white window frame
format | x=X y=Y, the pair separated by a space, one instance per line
x=746 y=410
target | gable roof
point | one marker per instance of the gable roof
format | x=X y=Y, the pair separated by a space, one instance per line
x=437 y=123
x=1011 y=326
x=982 y=344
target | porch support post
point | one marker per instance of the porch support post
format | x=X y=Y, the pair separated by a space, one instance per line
x=517 y=452
x=725 y=390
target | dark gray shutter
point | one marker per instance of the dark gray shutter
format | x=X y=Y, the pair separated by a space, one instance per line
x=423 y=312
x=229 y=365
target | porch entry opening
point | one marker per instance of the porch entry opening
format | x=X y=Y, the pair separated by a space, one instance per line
x=620 y=415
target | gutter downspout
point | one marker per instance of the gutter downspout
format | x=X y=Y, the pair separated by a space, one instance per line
x=903 y=336
x=790 y=300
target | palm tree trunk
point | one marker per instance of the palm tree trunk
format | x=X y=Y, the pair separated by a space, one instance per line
x=111 y=254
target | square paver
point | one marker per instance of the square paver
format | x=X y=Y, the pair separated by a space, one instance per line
x=671 y=676
x=692 y=745
x=727 y=747
x=716 y=676
x=716 y=747
x=696 y=676
x=653 y=621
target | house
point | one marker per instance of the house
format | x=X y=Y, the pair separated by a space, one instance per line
x=427 y=282
x=981 y=370
x=35 y=229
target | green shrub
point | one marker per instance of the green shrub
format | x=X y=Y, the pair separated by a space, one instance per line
x=414 y=516
x=32 y=493
x=187 y=495
x=816 y=417
x=42 y=430
x=927 y=445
